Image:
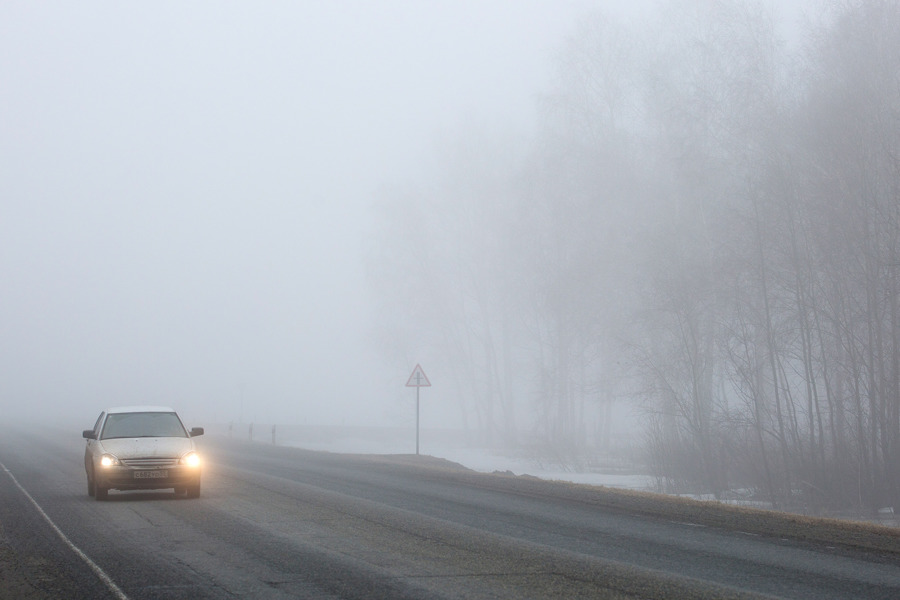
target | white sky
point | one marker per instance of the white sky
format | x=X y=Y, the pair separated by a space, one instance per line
x=184 y=185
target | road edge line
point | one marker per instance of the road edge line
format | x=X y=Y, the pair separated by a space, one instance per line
x=106 y=579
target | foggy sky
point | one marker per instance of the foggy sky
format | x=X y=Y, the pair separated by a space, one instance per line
x=184 y=191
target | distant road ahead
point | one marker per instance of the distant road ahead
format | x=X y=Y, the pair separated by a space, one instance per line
x=286 y=523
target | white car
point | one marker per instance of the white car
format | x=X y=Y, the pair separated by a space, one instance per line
x=141 y=448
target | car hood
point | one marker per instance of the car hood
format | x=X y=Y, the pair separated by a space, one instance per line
x=148 y=447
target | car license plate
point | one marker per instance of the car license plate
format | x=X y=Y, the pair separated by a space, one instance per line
x=151 y=474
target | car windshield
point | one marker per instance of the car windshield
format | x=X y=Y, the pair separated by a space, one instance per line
x=142 y=424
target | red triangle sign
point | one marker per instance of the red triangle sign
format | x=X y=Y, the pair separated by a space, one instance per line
x=418 y=378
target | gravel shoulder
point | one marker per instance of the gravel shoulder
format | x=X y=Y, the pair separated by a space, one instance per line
x=35 y=564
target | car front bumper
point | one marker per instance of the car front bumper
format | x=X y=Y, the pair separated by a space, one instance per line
x=131 y=478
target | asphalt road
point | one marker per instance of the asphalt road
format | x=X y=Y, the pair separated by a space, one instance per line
x=286 y=523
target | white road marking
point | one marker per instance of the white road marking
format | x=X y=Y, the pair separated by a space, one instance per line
x=106 y=579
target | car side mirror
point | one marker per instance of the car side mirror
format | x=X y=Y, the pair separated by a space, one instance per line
x=89 y=434
x=196 y=431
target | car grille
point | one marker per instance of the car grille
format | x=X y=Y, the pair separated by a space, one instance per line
x=152 y=461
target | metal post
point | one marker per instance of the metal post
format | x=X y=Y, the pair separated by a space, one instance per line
x=417 y=420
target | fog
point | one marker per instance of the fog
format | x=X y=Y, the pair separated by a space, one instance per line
x=187 y=193
x=185 y=187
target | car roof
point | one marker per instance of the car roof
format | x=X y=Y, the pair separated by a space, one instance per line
x=132 y=409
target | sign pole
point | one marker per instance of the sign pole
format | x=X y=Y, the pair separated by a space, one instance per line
x=418 y=387
x=418 y=379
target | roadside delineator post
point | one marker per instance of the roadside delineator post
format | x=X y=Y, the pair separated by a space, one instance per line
x=418 y=380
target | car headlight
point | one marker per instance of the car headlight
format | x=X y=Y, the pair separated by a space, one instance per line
x=191 y=459
x=108 y=460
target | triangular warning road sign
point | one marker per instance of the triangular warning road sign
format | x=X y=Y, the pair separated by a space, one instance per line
x=418 y=378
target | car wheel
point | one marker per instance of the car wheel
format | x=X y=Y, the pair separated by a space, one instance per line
x=90 y=487
x=194 y=491
x=101 y=493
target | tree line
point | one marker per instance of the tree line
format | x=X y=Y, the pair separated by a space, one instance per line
x=705 y=225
